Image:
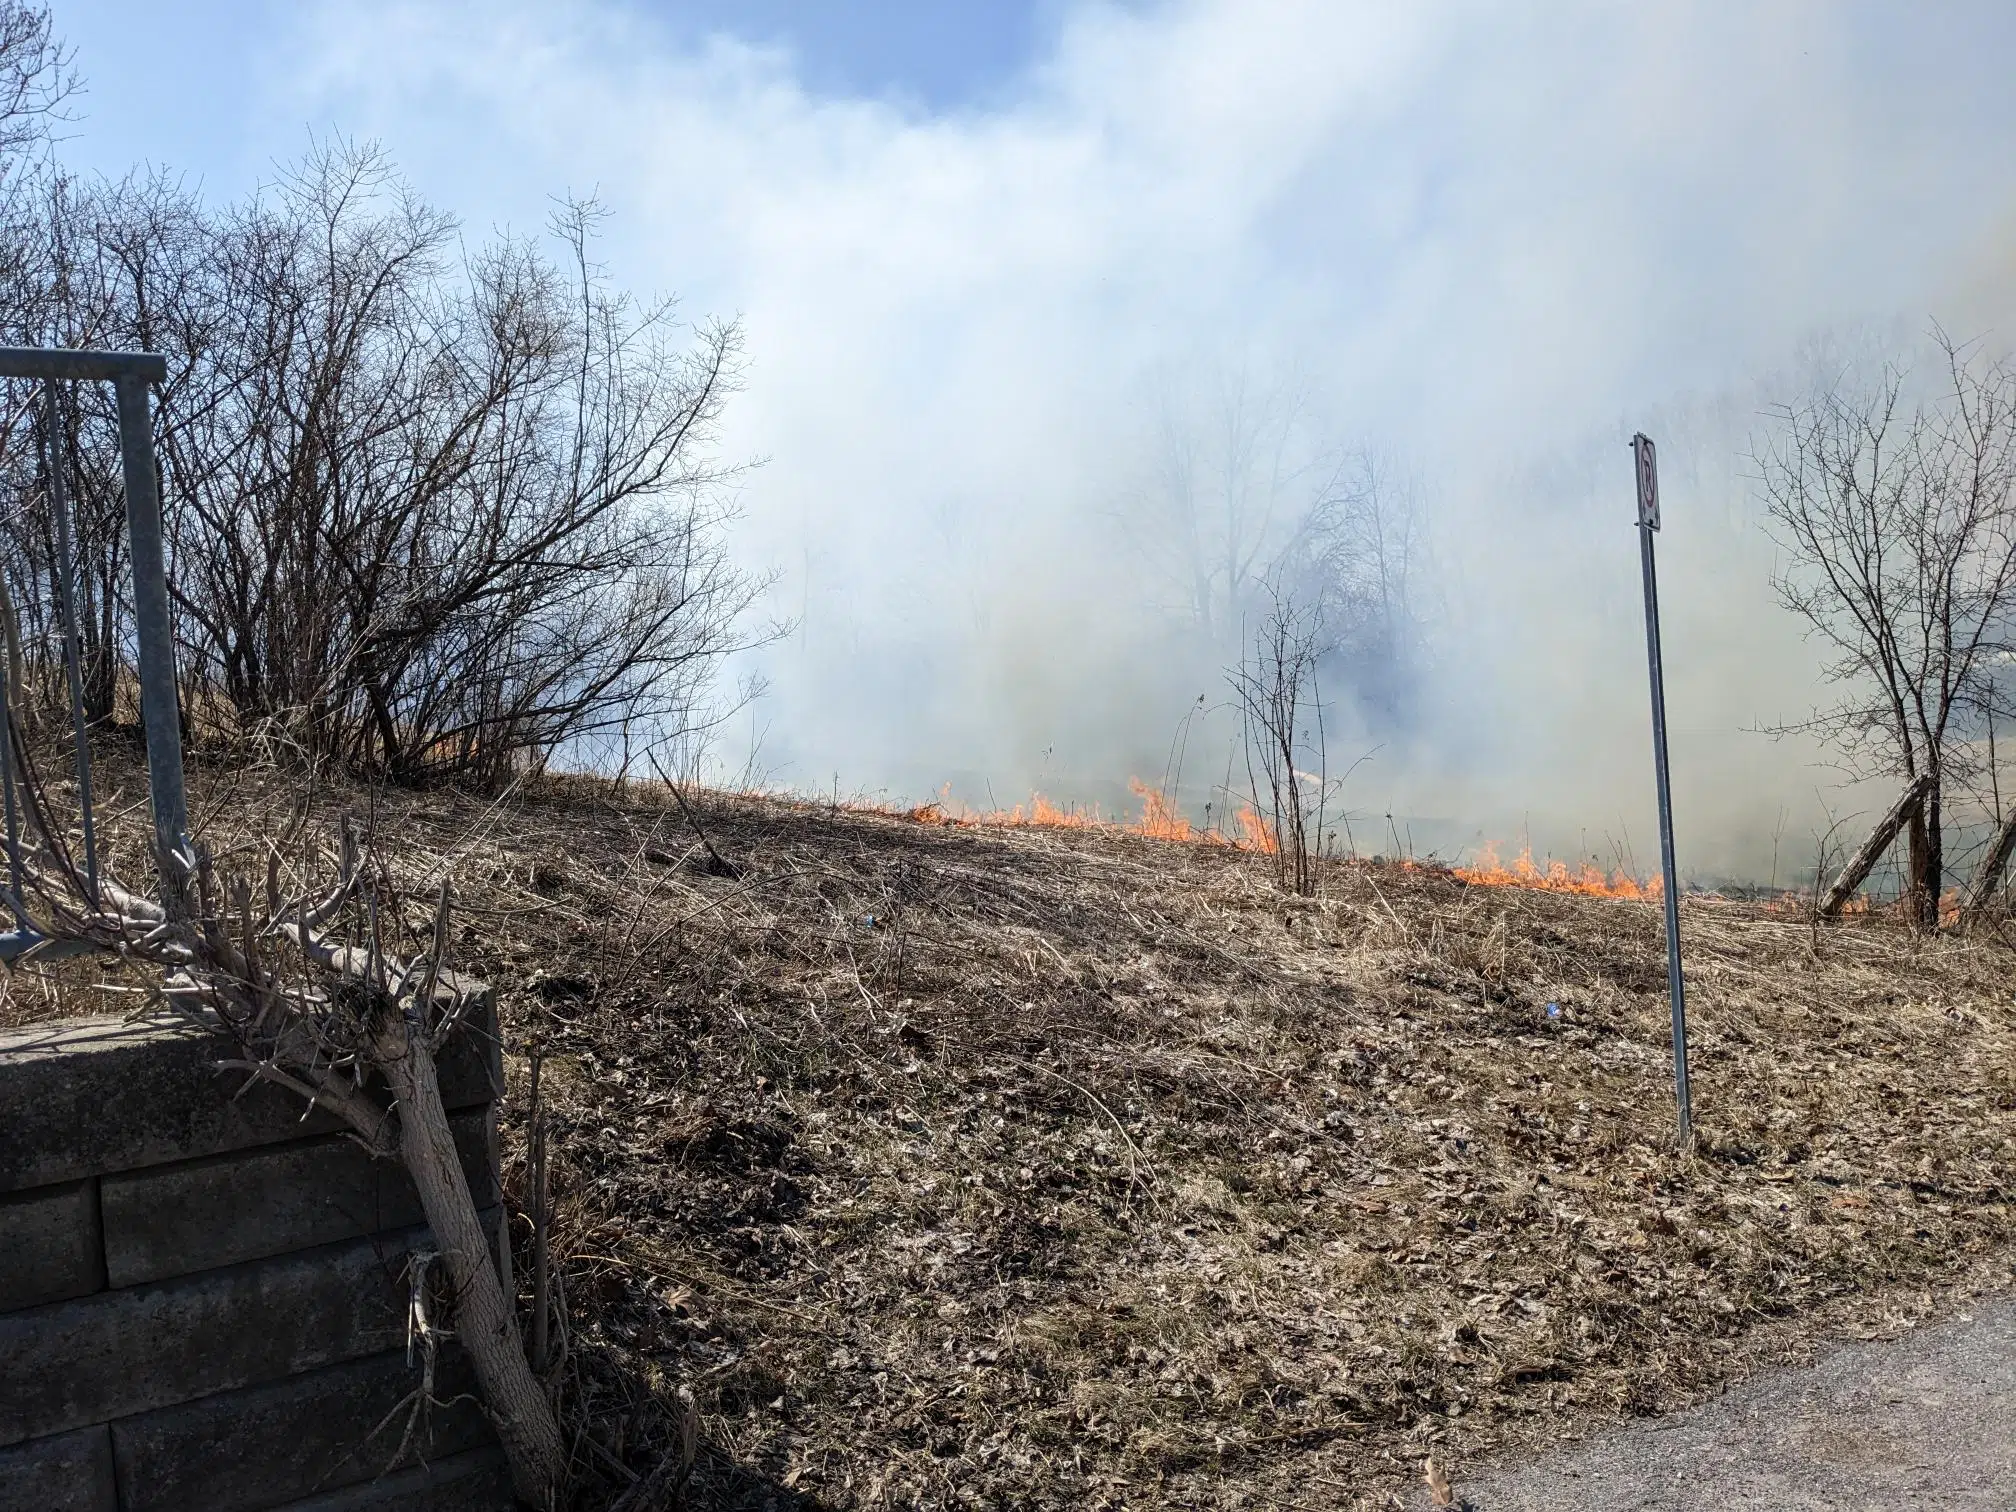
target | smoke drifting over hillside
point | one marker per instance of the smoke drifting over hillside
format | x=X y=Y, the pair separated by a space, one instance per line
x=1483 y=247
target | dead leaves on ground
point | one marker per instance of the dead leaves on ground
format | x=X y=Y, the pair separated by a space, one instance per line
x=952 y=1168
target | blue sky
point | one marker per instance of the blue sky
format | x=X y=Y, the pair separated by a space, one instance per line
x=200 y=83
x=938 y=55
x=983 y=252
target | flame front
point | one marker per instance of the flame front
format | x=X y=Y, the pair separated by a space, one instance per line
x=1556 y=876
x=1160 y=819
x=1256 y=833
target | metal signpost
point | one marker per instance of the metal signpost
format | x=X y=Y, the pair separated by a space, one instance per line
x=130 y=373
x=1648 y=521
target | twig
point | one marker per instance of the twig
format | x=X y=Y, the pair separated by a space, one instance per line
x=717 y=864
x=661 y=1487
x=541 y=1271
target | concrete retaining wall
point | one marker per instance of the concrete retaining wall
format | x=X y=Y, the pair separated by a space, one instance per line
x=202 y=1294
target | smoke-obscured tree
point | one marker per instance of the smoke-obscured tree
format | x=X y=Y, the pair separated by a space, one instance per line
x=1894 y=508
x=1248 y=497
x=1233 y=474
x=1357 y=561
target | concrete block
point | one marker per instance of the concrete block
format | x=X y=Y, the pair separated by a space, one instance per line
x=71 y=1472
x=171 y=1220
x=472 y=1482
x=93 y=1096
x=238 y=1451
x=100 y=1357
x=49 y=1247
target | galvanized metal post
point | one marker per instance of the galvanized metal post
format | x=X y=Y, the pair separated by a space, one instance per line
x=7 y=785
x=130 y=372
x=73 y=644
x=160 y=714
x=1644 y=455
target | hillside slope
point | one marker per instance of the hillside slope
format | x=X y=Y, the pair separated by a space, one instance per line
x=1020 y=1167
x=953 y=1166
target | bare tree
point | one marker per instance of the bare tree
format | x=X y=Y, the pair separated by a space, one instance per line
x=1899 y=529
x=36 y=78
x=1989 y=871
x=1276 y=690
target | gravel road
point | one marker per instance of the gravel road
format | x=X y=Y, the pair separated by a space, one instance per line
x=1927 y=1422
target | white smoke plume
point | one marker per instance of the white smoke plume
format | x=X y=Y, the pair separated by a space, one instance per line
x=1484 y=243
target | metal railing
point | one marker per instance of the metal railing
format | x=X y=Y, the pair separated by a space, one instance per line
x=131 y=374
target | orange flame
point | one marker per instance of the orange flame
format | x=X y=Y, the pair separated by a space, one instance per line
x=1160 y=818
x=1862 y=905
x=1556 y=876
x=1256 y=834
x=1038 y=813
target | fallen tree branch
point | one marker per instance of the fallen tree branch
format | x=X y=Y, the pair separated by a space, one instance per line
x=353 y=1028
x=1864 y=860
x=718 y=865
x=1988 y=875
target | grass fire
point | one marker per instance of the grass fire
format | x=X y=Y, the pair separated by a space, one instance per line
x=1060 y=1165
x=1276 y=447
x=1160 y=819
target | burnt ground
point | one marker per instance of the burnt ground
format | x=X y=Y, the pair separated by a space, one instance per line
x=995 y=1167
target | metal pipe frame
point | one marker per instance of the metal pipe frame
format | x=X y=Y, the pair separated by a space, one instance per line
x=73 y=642
x=131 y=373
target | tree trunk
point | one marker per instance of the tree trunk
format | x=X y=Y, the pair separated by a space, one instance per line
x=1935 y=857
x=485 y=1320
x=1926 y=863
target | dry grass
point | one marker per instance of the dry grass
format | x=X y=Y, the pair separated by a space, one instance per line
x=1022 y=1168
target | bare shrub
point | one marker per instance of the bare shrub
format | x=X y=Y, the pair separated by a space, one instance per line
x=1276 y=692
x=433 y=513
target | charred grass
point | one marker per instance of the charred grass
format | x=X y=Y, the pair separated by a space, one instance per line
x=949 y=1167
